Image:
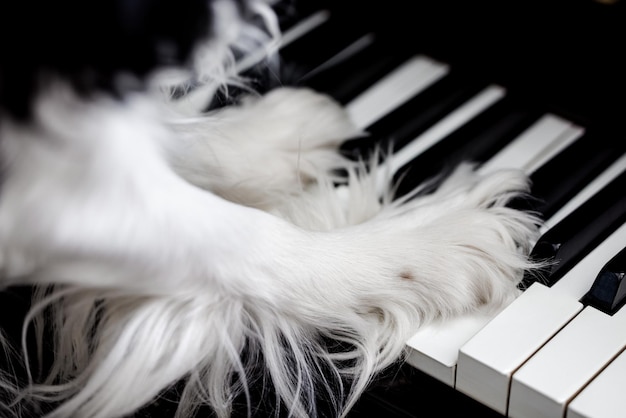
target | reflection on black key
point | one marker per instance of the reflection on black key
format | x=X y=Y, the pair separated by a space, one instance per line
x=404 y=124
x=608 y=292
x=298 y=59
x=580 y=232
x=349 y=78
x=316 y=47
x=290 y=16
x=477 y=141
x=559 y=180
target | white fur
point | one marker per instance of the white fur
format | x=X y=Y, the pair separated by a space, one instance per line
x=177 y=241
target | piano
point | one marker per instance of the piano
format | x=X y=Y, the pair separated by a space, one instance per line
x=534 y=84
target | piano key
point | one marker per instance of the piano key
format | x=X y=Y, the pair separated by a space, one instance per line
x=599 y=181
x=476 y=141
x=577 y=285
x=489 y=358
x=608 y=292
x=487 y=361
x=394 y=89
x=407 y=122
x=347 y=79
x=543 y=386
x=294 y=30
x=604 y=395
x=435 y=348
x=300 y=49
x=591 y=155
x=442 y=129
x=254 y=65
x=531 y=154
x=570 y=240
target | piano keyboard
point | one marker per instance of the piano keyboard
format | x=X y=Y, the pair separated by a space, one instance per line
x=547 y=354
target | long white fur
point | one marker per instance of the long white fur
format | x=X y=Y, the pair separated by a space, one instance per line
x=175 y=241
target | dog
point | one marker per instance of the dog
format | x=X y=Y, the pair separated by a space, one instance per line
x=215 y=250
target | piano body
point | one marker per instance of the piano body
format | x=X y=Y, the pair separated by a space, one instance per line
x=536 y=84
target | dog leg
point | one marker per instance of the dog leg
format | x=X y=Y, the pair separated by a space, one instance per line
x=179 y=282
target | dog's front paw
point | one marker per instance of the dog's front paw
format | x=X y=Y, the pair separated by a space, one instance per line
x=268 y=146
x=449 y=252
x=472 y=247
x=292 y=134
x=313 y=119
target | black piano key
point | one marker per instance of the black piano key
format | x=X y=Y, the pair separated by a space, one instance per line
x=405 y=123
x=297 y=60
x=305 y=54
x=608 y=291
x=559 y=180
x=477 y=141
x=348 y=78
x=290 y=14
x=577 y=234
x=301 y=60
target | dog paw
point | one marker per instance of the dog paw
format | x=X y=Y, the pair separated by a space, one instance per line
x=462 y=247
x=438 y=255
x=287 y=113
x=268 y=145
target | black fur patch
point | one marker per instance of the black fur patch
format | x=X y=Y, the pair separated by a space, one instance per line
x=89 y=43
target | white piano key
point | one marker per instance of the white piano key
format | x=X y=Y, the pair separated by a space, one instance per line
x=529 y=151
x=604 y=396
x=543 y=385
x=435 y=348
x=488 y=361
x=397 y=87
x=454 y=120
x=438 y=131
